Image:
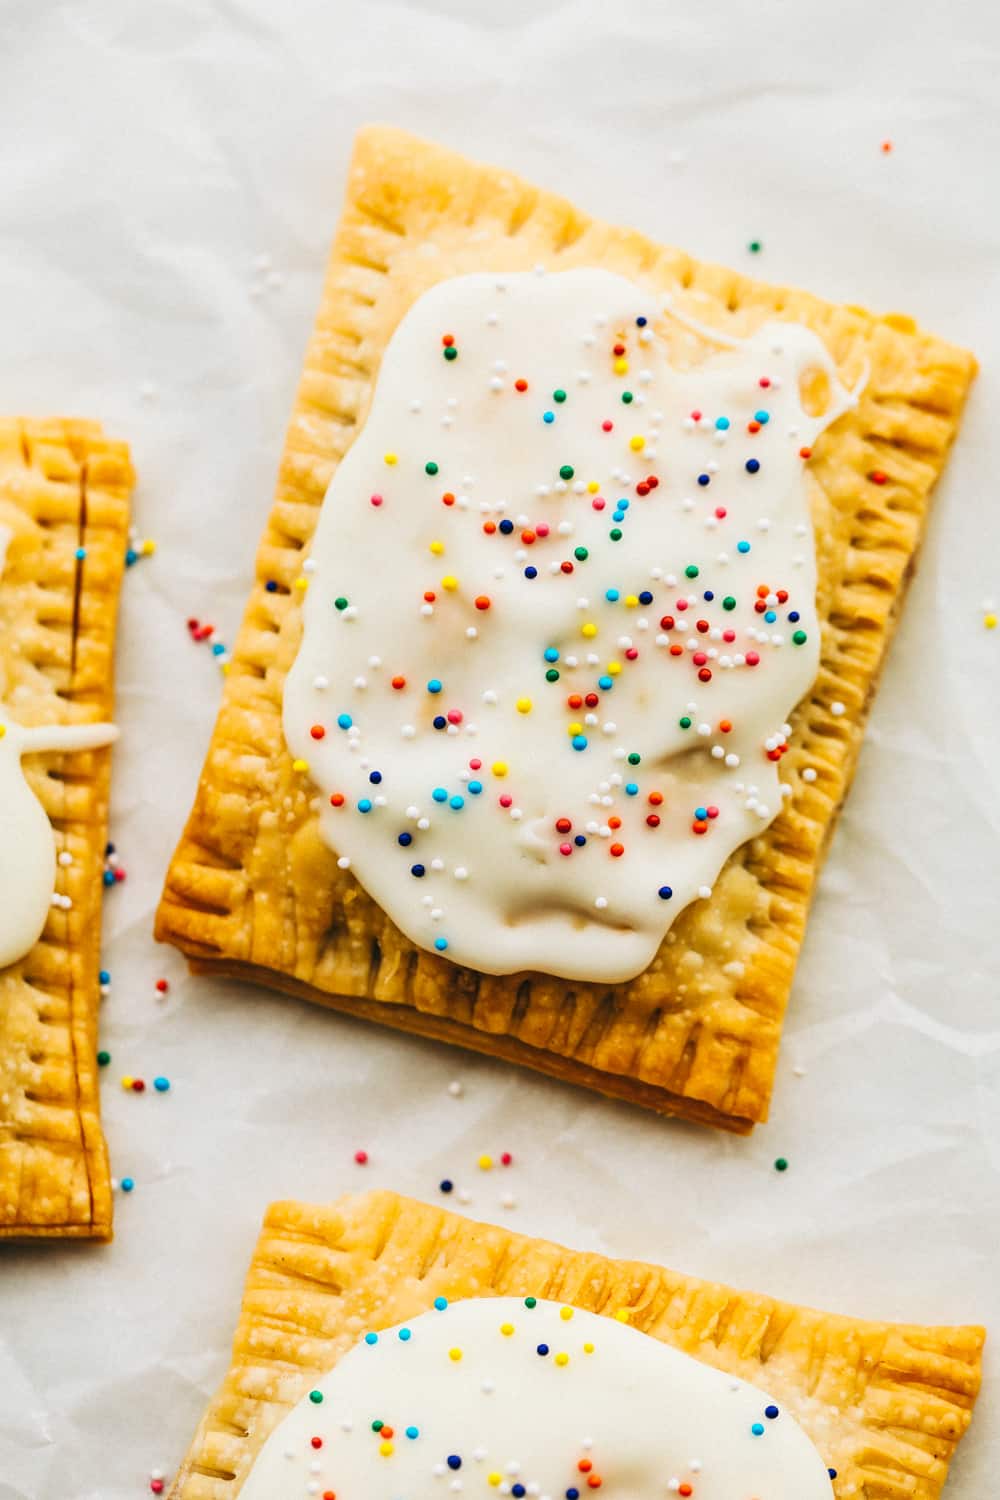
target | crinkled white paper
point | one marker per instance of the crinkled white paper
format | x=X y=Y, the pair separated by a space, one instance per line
x=170 y=177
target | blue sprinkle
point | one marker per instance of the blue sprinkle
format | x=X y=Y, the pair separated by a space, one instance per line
x=434 y=685
x=440 y=944
x=439 y=721
x=104 y=977
x=645 y=597
x=752 y=465
x=218 y=648
x=542 y=1349
x=446 y=1185
x=832 y=1473
x=405 y=1335
x=579 y=742
x=161 y=1085
x=572 y=1494
x=769 y=1411
x=412 y=1432
x=606 y=683
x=743 y=546
x=757 y=1429
x=631 y=789
x=506 y=526
x=440 y=1303
x=417 y=870
x=722 y=424
x=551 y=654
x=622 y=504
x=612 y=596
x=579 y=840
x=704 y=479
x=619 y=515
x=405 y=839
x=454 y=1462
x=794 y=616
x=548 y=416
x=770 y=616
x=640 y=322
x=665 y=892
x=81 y=553
x=518 y=1490
x=530 y=572
x=128 y=1183
x=708 y=595
x=375 y=777
x=475 y=787
x=701 y=813
x=271 y=586
x=344 y=721
x=109 y=877
x=371 y=1338
x=456 y=802
x=763 y=417
x=439 y=794
x=365 y=804
x=131 y=557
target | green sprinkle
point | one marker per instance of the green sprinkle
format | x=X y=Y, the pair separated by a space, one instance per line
x=800 y=637
x=690 y=571
x=316 y=1397
x=377 y=1425
x=627 y=397
x=729 y=602
x=341 y=602
x=559 y=396
x=581 y=554
x=531 y=1302
x=634 y=758
x=781 y=1164
x=567 y=471
x=755 y=247
x=615 y=533
x=103 y=1058
x=552 y=675
x=684 y=722
x=430 y=467
x=451 y=352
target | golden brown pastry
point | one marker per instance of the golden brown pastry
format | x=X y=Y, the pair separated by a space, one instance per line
x=255 y=891
x=64 y=505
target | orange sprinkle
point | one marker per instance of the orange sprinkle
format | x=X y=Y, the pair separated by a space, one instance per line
x=617 y=850
x=805 y=453
x=399 y=682
x=520 y=385
x=585 y=1465
x=318 y=732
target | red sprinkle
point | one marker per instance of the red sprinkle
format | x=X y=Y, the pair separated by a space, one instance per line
x=138 y=1087
x=399 y=682
x=877 y=477
x=607 y=426
x=318 y=732
x=336 y=799
x=617 y=850
x=482 y=601
x=317 y=1442
x=506 y=1159
x=520 y=385
x=376 y=501
x=449 y=499
x=361 y=1157
x=162 y=986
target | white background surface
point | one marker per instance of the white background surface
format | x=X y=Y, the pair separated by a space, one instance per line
x=151 y=152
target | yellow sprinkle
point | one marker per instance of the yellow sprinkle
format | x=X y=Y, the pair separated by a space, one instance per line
x=631 y=600
x=126 y=1080
x=588 y=1348
x=484 y=1163
x=589 y=629
x=302 y=584
x=572 y=729
x=621 y=367
x=500 y=768
x=614 y=667
x=437 y=548
x=494 y=1479
x=148 y=547
x=506 y=1329
x=623 y=1314
x=449 y=582
x=990 y=621
x=562 y=1359
x=391 y=458
x=637 y=443
x=455 y=1355
x=523 y=705
x=225 y=668
x=565 y=1313
x=300 y=765
x=593 y=487
x=3 y=730
x=385 y=1449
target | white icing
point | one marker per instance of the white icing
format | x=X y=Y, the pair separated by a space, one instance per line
x=499 y=892
x=651 y=1422
x=27 y=845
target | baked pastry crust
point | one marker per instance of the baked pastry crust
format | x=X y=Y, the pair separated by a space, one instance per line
x=252 y=890
x=885 y=1403
x=63 y=485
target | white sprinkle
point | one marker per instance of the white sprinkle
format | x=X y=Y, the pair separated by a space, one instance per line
x=343 y=863
x=601 y=902
x=65 y=858
x=455 y=1089
x=704 y=891
x=837 y=709
x=809 y=774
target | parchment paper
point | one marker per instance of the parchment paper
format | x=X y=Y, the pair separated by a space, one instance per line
x=169 y=181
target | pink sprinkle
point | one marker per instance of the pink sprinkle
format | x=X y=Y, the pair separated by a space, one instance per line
x=506 y=1159
x=713 y=812
x=682 y=604
x=696 y=416
x=565 y=848
x=475 y=763
x=361 y=1157
x=632 y=653
x=505 y=799
x=752 y=658
x=729 y=635
x=720 y=511
x=454 y=716
x=376 y=501
x=541 y=529
x=607 y=426
x=156 y=1485
x=598 y=503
